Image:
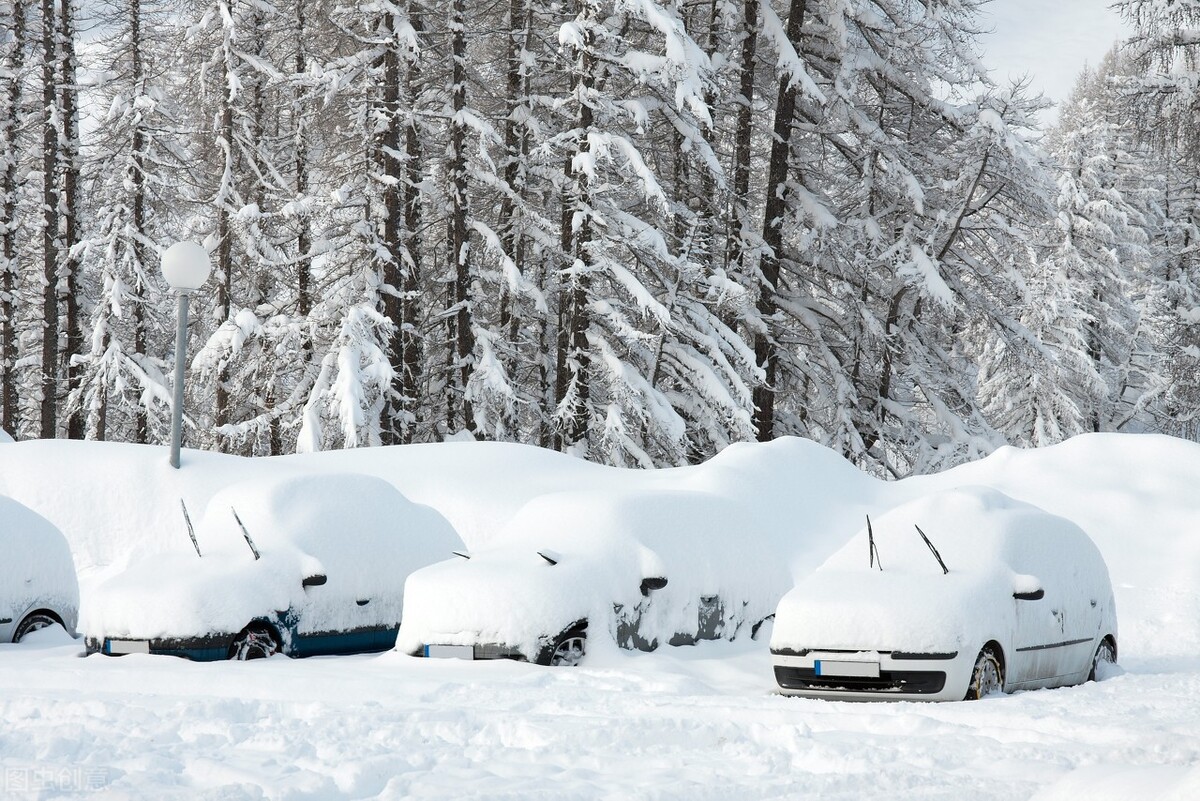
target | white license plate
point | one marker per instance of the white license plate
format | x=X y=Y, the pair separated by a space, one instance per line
x=129 y=646
x=450 y=651
x=826 y=667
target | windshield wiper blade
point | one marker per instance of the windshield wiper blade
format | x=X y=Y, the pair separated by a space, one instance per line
x=874 y=551
x=191 y=531
x=936 y=555
x=246 y=534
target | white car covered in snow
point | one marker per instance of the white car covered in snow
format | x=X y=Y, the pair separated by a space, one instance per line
x=949 y=597
x=303 y=565
x=38 y=586
x=646 y=568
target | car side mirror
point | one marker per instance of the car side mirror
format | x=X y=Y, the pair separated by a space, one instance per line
x=649 y=584
x=1034 y=595
x=315 y=580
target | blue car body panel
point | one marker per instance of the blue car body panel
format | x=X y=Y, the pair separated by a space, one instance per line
x=293 y=643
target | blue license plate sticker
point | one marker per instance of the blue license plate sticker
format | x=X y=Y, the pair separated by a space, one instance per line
x=830 y=667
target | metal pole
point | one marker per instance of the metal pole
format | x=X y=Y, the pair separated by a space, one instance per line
x=180 y=357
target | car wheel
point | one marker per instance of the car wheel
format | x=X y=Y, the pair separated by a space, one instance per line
x=1106 y=656
x=33 y=622
x=987 y=677
x=569 y=649
x=254 y=642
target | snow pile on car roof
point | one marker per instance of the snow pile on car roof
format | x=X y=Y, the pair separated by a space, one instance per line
x=807 y=499
x=898 y=595
x=118 y=503
x=478 y=486
x=357 y=530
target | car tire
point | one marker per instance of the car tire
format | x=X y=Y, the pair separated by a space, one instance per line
x=256 y=641
x=33 y=622
x=987 y=676
x=1106 y=654
x=569 y=649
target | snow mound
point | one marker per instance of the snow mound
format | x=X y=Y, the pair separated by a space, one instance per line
x=116 y=502
x=807 y=498
x=478 y=486
x=1121 y=782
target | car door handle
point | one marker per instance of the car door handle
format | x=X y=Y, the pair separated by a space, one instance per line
x=4 y=620
x=363 y=601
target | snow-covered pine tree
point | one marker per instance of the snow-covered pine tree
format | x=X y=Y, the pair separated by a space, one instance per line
x=634 y=367
x=510 y=376
x=1102 y=249
x=370 y=317
x=887 y=230
x=1163 y=97
x=131 y=178
x=1034 y=387
x=245 y=93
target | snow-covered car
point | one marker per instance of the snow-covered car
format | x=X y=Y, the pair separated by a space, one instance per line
x=303 y=565
x=645 y=568
x=38 y=586
x=949 y=597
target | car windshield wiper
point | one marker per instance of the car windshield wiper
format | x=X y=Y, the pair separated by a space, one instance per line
x=874 y=554
x=936 y=555
x=191 y=531
x=246 y=534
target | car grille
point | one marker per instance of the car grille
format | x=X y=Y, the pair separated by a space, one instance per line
x=917 y=682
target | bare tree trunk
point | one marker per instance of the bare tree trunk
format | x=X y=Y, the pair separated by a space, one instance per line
x=69 y=160
x=8 y=227
x=573 y=360
x=765 y=347
x=410 y=287
x=138 y=201
x=743 y=140
x=221 y=411
x=458 y=246
x=516 y=148
x=50 y=223
x=304 y=236
x=395 y=425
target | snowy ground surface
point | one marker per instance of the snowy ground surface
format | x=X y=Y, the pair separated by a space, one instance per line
x=697 y=722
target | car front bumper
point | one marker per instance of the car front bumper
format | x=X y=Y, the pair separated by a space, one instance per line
x=872 y=675
x=471 y=652
x=198 y=649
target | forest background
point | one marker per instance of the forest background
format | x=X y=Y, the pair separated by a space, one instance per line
x=633 y=230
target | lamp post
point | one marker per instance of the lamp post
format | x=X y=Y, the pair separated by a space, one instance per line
x=186 y=266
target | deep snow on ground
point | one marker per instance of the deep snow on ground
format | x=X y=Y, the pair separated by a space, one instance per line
x=691 y=723
x=698 y=722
